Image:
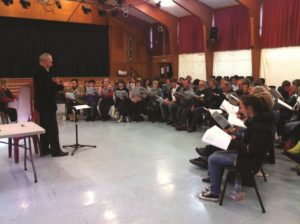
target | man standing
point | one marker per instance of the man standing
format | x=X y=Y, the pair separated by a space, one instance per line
x=45 y=103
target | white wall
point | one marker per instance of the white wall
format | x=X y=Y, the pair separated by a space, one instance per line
x=229 y=63
x=279 y=64
x=193 y=65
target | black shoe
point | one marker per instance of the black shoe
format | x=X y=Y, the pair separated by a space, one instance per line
x=191 y=129
x=206 y=180
x=60 y=154
x=169 y=122
x=201 y=151
x=199 y=162
x=208 y=196
x=181 y=127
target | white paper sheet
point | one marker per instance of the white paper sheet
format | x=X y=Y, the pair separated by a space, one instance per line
x=216 y=137
x=235 y=121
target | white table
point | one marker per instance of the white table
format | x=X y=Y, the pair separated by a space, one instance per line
x=22 y=130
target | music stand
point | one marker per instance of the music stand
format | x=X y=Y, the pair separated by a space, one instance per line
x=77 y=146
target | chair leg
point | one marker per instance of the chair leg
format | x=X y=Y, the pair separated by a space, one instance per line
x=9 y=147
x=16 y=150
x=258 y=196
x=224 y=189
x=264 y=175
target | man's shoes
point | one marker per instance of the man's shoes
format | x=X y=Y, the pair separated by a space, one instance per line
x=181 y=127
x=199 y=162
x=201 y=151
x=191 y=129
x=169 y=122
x=206 y=180
x=44 y=152
x=208 y=196
x=61 y=153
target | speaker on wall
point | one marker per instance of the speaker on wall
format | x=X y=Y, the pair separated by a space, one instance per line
x=213 y=33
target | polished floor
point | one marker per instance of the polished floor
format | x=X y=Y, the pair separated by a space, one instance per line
x=138 y=174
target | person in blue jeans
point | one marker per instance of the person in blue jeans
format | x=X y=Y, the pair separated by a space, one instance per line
x=247 y=154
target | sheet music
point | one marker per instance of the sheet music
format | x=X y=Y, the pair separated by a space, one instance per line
x=90 y=90
x=229 y=108
x=159 y=99
x=80 y=107
x=235 y=121
x=284 y=104
x=190 y=93
x=220 y=120
x=216 y=137
x=211 y=111
x=70 y=96
x=122 y=94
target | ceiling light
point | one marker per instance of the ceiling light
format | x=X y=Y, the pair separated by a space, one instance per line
x=7 y=2
x=25 y=4
x=86 y=9
x=58 y=4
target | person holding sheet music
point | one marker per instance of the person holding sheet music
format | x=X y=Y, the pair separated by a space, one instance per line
x=285 y=114
x=91 y=98
x=215 y=101
x=45 y=103
x=247 y=154
x=169 y=100
x=6 y=96
x=137 y=97
x=186 y=99
x=197 y=108
x=122 y=101
x=153 y=107
x=106 y=93
x=74 y=96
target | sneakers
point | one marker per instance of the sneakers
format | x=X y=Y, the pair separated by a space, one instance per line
x=295 y=149
x=208 y=196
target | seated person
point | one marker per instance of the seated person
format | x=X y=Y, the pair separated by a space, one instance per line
x=186 y=100
x=76 y=99
x=6 y=96
x=197 y=107
x=91 y=98
x=170 y=99
x=106 y=93
x=205 y=152
x=153 y=104
x=122 y=101
x=137 y=98
x=247 y=154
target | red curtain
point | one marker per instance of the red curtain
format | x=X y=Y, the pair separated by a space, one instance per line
x=233 y=28
x=281 y=23
x=190 y=35
x=160 y=38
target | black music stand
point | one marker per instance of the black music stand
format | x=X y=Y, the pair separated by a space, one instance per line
x=77 y=146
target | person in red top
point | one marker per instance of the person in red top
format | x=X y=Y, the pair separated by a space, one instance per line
x=6 y=96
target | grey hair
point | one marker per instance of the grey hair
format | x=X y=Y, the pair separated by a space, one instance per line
x=44 y=57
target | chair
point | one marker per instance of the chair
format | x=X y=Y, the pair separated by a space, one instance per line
x=4 y=118
x=251 y=175
x=34 y=117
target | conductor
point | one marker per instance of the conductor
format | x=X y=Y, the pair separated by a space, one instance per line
x=45 y=103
